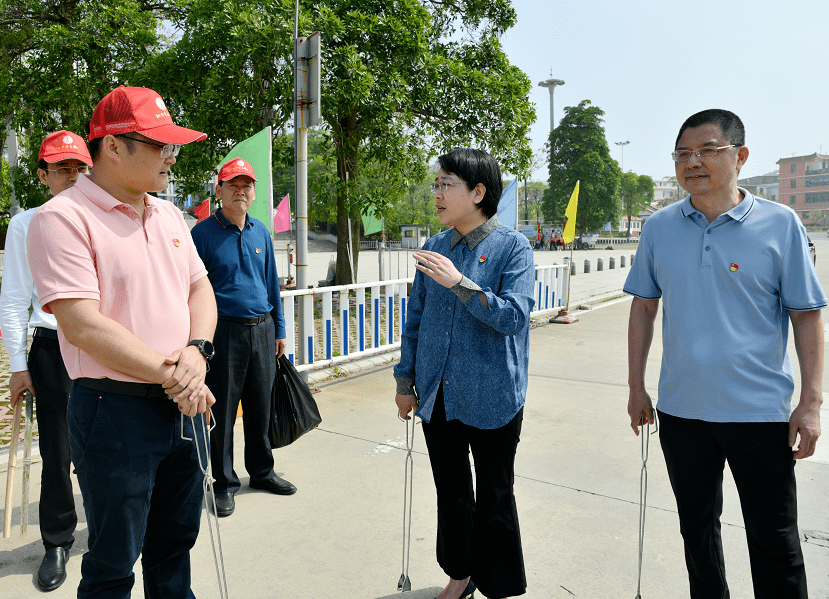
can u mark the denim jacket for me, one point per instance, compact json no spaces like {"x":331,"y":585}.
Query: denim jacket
{"x":480,"y":354}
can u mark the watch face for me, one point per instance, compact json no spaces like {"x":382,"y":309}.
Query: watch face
{"x":208,"y":350}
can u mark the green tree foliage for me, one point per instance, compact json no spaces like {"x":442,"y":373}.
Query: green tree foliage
{"x":405,"y":80}
{"x":579,"y":152}
{"x":416,"y":207}
{"x":636,"y":193}
{"x":228,"y":71}
{"x":530,"y":198}
{"x":58,"y":58}
{"x":5,"y":194}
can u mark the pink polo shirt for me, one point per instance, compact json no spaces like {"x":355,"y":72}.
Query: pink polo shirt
{"x":85,"y":244}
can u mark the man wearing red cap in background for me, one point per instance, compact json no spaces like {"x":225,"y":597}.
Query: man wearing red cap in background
{"x":62,"y":159}
{"x":250,"y":335}
{"x":135,"y":315}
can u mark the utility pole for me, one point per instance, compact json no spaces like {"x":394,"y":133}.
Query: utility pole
{"x":621,"y":144}
{"x":306,"y":114}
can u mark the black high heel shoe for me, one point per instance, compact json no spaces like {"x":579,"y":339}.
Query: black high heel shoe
{"x":468,"y":592}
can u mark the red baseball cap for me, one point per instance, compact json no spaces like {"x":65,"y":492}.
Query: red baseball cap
{"x":141,"y":110}
{"x":64,"y":145}
{"x":235,"y":168}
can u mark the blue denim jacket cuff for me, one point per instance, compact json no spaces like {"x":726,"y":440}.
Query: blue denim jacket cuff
{"x":405,"y":386}
{"x":465,"y":289}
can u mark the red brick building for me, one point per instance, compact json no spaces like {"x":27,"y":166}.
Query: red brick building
{"x":804,"y":183}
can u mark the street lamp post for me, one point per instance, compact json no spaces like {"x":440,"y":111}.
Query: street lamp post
{"x":551,"y":84}
{"x":563,"y":317}
{"x":622,"y":144}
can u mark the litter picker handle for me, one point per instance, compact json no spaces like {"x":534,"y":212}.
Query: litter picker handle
{"x":7,"y":513}
{"x":27,"y":462}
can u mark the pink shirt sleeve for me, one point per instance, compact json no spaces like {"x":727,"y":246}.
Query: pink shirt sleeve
{"x":61,"y":259}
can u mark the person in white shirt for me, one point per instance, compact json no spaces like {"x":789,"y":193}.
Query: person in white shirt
{"x":63,"y":157}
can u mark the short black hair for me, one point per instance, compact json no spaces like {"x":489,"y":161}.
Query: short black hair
{"x":94,"y":145}
{"x":476,"y":166}
{"x":42,"y":164}
{"x":729,"y":123}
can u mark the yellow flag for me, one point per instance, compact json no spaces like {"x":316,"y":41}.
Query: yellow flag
{"x":570,"y":214}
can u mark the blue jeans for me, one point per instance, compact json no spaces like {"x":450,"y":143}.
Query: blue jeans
{"x":142,"y":493}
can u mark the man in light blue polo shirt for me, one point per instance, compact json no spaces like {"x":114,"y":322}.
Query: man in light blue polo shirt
{"x":731,"y":269}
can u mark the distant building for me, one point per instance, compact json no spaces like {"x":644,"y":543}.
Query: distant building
{"x":764,"y":186}
{"x":664,"y":189}
{"x":635,"y":225}
{"x":804,"y":185}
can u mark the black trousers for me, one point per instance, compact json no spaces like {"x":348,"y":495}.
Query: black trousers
{"x":761,"y":462}
{"x":243,"y":369}
{"x":57,"y":503}
{"x":478,"y":533}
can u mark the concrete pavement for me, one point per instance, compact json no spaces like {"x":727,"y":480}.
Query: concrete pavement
{"x":577,"y":487}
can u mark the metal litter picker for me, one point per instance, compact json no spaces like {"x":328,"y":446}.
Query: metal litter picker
{"x":405,"y":584}
{"x":27,"y":462}
{"x":645,"y":434}
{"x":203,"y":453}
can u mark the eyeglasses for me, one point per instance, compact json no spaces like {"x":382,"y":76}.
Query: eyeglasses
{"x":441,"y":186}
{"x":167,"y":150}
{"x":705,"y":153}
{"x":65,"y":171}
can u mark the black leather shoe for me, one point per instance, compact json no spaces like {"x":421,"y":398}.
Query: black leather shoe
{"x":225,"y":504}
{"x":52,"y":571}
{"x":277,"y":485}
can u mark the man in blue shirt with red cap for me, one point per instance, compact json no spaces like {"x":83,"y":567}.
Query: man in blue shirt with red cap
{"x":250,"y":335}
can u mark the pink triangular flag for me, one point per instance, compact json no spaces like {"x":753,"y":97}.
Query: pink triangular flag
{"x":282,"y":218}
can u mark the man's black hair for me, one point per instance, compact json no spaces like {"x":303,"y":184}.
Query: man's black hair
{"x":729,"y":123}
{"x":476,"y":166}
{"x":94,"y":145}
{"x":42,"y":164}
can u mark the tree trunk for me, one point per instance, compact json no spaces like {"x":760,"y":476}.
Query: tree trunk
{"x":345,"y":164}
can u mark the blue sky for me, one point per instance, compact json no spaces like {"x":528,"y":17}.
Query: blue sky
{"x":650,"y":64}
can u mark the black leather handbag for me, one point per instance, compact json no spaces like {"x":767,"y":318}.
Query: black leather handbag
{"x":293,"y":409}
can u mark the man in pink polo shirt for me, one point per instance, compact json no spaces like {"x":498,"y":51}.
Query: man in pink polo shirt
{"x":136,"y":316}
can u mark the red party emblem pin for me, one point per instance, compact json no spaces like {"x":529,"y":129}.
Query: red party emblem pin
{"x":176,"y":242}
{"x":482,"y":259}
{"x":258,"y":250}
{"x":735,"y":267}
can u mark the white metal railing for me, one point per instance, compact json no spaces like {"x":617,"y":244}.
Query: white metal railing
{"x":617,"y":241}
{"x":377,"y":325}
{"x":361,"y":328}
{"x":374,"y":245}
{"x":550,"y":287}
{"x":283,"y":260}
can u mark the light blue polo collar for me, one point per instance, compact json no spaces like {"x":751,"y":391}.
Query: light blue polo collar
{"x":738,"y":212}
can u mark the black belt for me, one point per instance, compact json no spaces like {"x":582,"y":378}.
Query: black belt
{"x":123,"y":387}
{"x":248,"y":321}
{"x":44,"y":332}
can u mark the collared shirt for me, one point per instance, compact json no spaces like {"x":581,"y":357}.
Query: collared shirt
{"x":242,"y":268}
{"x":18,"y":294}
{"x":479,"y":354}
{"x":85,"y":244}
{"x":726,"y":290}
